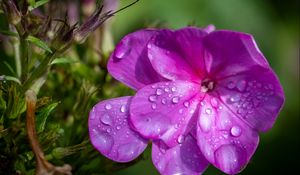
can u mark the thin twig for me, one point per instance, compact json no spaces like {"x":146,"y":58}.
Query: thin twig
{"x":43,"y":167}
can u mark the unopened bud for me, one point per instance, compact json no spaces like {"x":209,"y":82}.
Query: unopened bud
{"x":12,"y":12}
{"x":91,"y":24}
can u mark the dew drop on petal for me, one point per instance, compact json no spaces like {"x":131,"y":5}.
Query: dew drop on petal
{"x":173,"y":89}
{"x":205,"y":122}
{"x":106,"y":119}
{"x":152,"y":98}
{"x":180,"y":139}
{"x":123,"y":108}
{"x":230,"y":158}
{"x":121,"y":53}
{"x":186,"y":104}
{"x":103,"y":141}
{"x":118,"y":127}
{"x":241,"y":85}
{"x":108,"y":106}
{"x":153,"y":106}
{"x":202,"y":103}
{"x":208,"y":111}
{"x":175,"y":100}
{"x":214,"y":102}
{"x":159,"y":91}
{"x":236,"y":131}
{"x":231,"y":85}
{"x":180,"y":111}
{"x":234,"y":99}
{"x":108,"y":130}
{"x":167,"y":89}
{"x":128,"y":151}
{"x":164,"y":101}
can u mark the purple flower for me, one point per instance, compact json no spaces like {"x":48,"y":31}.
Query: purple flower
{"x":202,"y":97}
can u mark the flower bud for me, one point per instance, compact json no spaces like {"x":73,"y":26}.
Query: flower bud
{"x":12,"y":12}
{"x":91,"y":24}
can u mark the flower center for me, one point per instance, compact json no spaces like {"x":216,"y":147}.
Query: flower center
{"x":207,"y":85}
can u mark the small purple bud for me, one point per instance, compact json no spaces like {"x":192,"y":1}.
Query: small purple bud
{"x":12,"y":12}
{"x":91,"y":24}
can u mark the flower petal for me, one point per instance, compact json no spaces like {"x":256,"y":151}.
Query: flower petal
{"x":129,"y":62}
{"x":255,"y":96}
{"x":229,"y":53}
{"x":110,"y":133}
{"x":226,"y":141}
{"x":185,"y":158}
{"x":163,"y":110}
{"x":178,"y":55}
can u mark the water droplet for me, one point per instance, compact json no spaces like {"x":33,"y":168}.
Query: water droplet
{"x":106,"y":119}
{"x":241,"y":85}
{"x":175,"y":100}
{"x":180,"y":139}
{"x":180,"y":111}
{"x":162,"y":147}
{"x":103,"y":141}
{"x":118,"y":127}
{"x":108,"y":106}
{"x":231,"y":85}
{"x":202,"y":103}
{"x":214,"y":102}
{"x":186,"y":104}
{"x":230,"y":157}
{"x":122,"y":52}
{"x":167,"y":89}
{"x":236,"y":131}
{"x":108,"y":130}
{"x":173,"y":89}
{"x":164,"y":101}
{"x":92,"y":114}
{"x":153,"y":106}
{"x":123,"y":108}
{"x":234,"y":99}
{"x":192,"y":111}
{"x":208,"y":111}
{"x":127,"y":152}
{"x":159,"y":91}
{"x":149,"y":46}
{"x":152,"y":98}
{"x":205,"y":122}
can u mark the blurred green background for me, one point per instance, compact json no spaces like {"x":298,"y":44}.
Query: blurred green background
{"x":275,"y":26}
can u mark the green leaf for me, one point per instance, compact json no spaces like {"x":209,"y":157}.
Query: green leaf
{"x":8,"y":33}
{"x":37,"y":4}
{"x":9,"y":68}
{"x":2,"y":105}
{"x":63,"y":60}
{"x":38,"y":43}
{"x":42,"y":116}
{"x":10,"y":78}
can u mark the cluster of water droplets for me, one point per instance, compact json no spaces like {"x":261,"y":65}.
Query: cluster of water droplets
{"x":212,"y":113}
{"x":181,"y":159}
{"x":249,"y":95}
{"x":164,"y":97}
{"x":110,"y":122}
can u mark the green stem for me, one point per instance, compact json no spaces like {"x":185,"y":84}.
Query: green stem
{"x":39,"y":71}
{"x":16,"y":46}
{"x":24,"y":47}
